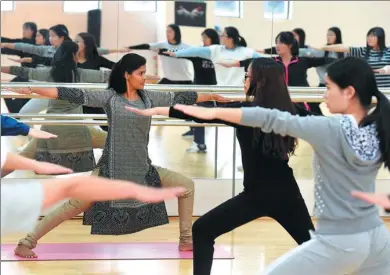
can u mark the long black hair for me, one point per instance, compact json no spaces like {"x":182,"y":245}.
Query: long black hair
{"x":64,"y":67}
{"x":33,"y":27}
{"x":302,"y":37}
{"x":91,"y":51}
{"x":213,"y":35}
{"x":176,"y":30}
{"x":233,"y":33}
{"x":45,"y":34}
{"x":381,"y":35}
{"x":357,"y":73}
{"x":269,"y":90}
{"x":128,"y":63}
{"x":288,"y":39}
{"x":339,"y":40}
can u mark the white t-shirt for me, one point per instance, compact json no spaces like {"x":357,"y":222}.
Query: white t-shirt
{"x":229,"y":76}
{"x":20,"y":203}
{"x":172,"y":68}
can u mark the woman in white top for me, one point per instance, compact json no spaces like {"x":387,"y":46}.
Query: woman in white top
{"x":233,"y":48}
{"x":174,"y":71}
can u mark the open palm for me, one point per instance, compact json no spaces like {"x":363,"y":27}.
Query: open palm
{"x":35,"y":133}
{"x":152,"y":195}
{"x":378,"y":199}
{"x":145,"y":112}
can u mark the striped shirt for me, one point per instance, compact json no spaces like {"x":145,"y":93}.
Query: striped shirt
{"x":376,"y":61}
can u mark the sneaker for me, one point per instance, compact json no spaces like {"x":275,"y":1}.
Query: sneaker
{"x":197,"y":148}
{"x":188,"y":134}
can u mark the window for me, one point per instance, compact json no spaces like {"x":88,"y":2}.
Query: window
{"x":81,"y":6}
{"x":227,"y":8}
{"x":7,"y":5}
{"x":278,"y":10}
{"x":149,"y":6}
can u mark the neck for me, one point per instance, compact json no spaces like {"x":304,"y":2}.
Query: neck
{"x":376,"y":48}
{"x":172,"y":42}
{"x":230,"y":46}
{"x":286,"y":57}
{"x":359,"y":113}
{"x":131,"y":94}
{"x":81,"y":56}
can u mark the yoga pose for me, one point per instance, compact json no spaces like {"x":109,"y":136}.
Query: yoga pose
{"x":270,"y":188}
{"x":125,"y":156}
{"x":350,"y":237}
{"x":22,"y":203}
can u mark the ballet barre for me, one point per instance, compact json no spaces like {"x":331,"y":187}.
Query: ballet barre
{"x":164,"y":88}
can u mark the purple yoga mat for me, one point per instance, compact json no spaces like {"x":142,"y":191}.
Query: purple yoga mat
{"x":107,"y":251}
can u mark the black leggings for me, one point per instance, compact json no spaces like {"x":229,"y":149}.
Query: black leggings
{"x":291,"y":213}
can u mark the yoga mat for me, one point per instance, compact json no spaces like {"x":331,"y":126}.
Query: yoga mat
{"x":107,"y":251}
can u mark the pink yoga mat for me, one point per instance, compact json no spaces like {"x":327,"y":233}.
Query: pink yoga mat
{"x":107,"y":251}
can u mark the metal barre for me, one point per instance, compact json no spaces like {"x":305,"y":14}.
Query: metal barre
{"x":104,"y":123}
{"x":165,"y":88}
{"x":70,"y":116}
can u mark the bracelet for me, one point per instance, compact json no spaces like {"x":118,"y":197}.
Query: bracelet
{"x":30,"y":90}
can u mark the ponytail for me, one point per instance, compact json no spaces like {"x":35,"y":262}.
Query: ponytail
{"x":242,"y":41}
{"x":381,"y":117}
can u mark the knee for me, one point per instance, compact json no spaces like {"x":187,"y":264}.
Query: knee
{"x":199,"y":229}
{"x":190,"y":188}
{"x":78,"y":204}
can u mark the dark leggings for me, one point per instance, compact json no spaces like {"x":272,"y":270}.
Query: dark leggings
{"x":291,"y":213}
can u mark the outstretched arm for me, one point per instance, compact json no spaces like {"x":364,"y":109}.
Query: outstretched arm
{"x":93,"y":98}
{"x":313,"y":129}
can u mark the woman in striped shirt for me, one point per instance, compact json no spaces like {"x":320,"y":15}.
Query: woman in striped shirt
{"x":376,"y":53}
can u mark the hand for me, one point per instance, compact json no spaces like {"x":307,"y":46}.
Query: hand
{"x":260,"y":51}
{"x":199,"y":112}
{"x":46,"y":168}
{"x":124,"y":50}
{"x":152,"y":77}
{"x":379,"y":71}
{"x":35,"y":133}
{"x":4,"y":45}
{"x":146,"y":112}
{"x":381,"y":200}
{"x":172,"y":54}
{"x":219,"y":98}
{"x":15,"y":60}
{"x":228,"y":64}
{"x":153,"y":195}
{"x":22,"y":91}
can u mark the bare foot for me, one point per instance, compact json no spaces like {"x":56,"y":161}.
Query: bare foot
{"x":24,"y":252}
{"x":185,"y":247}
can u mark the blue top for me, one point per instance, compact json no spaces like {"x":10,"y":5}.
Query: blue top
{"x":12,"y":127}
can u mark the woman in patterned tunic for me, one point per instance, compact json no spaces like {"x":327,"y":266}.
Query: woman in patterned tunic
{"x":127,"y":140}
{"x":74,"y":146}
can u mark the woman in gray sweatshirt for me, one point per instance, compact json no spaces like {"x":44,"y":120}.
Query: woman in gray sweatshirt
{"x":349,"y":149}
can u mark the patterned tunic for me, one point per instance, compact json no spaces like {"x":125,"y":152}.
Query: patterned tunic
{"x":73,"y":146}
{"x":125,"y":157}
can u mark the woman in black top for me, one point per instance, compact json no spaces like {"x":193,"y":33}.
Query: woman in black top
{"x":266,"y":171}
{"x":89,"y":58}
{"x":204,"y":74}
{"x":294,"y":66}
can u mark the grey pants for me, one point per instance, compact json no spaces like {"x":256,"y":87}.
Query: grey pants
{"x":366,"y":253}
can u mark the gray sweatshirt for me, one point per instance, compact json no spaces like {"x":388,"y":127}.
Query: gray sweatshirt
{"x":346,"y":158}
{"x":45,"y":51}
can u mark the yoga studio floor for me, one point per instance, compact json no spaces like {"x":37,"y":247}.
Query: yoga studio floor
{"x":253,"y":247}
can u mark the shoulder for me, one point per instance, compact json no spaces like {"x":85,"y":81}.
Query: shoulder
{"x":363,"y":140}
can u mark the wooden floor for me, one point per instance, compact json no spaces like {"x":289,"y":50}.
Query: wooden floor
{"x":254,"y":246}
